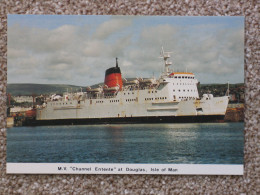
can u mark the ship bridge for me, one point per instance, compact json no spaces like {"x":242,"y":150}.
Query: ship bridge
{"x":182,"y":75}
{"x":182,"y":85}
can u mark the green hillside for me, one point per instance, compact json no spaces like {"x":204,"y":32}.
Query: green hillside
{"x":38,"y":89}
{"x":221,"y":89}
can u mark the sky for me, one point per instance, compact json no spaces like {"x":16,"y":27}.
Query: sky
{"x":77,"y":50}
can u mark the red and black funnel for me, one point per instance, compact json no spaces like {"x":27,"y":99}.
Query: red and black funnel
{"x":113,"y":77}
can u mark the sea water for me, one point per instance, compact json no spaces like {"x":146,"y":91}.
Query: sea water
{"x":193,"y":143}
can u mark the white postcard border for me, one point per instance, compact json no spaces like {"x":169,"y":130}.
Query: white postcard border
{"x":110,"y":168}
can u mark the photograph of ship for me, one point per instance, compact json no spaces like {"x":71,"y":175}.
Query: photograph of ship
{"x":125,"y":89}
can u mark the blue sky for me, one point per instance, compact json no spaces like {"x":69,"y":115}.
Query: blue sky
{"x":78,"y":49}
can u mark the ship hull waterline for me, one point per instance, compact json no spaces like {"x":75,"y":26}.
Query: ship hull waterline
{"x":128,"y":120}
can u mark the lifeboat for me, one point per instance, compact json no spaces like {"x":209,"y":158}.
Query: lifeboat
{"x":55,"y":97}
{"x":109,"y":89}
{"x":147,"y":81}
{"x":94,"y":90}
{"x":133,"y":82}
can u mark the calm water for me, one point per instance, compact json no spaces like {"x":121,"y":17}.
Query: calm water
{"x":212,"y":143}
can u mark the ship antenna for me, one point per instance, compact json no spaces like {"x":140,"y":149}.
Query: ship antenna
{"x":116,"y":62}
{"x":165,"y":56}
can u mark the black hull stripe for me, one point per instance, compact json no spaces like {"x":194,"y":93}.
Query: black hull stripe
{"x":128,"y":120}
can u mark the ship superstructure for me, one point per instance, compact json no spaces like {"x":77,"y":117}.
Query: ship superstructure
{"x":173,"y":97}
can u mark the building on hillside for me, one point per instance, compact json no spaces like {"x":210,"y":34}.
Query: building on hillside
{"x":232,"y":97}
{"x":18,"y":110}
{"x":21,"y":99}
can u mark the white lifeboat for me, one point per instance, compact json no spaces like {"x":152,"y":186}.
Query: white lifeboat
{"x":95,"y":90}
{"x":55,"y":97}
{"x":133,"y":82}
{"x":147,"y":81}
{"x":116,"y":88}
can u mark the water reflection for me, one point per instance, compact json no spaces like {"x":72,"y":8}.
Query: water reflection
{"x":219,"y":143}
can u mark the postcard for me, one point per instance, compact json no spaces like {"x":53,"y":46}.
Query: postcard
{"x":125,"y":95}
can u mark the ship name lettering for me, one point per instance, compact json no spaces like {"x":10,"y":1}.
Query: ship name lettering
{"x":103,"y":169}
{"x":81,"y":168}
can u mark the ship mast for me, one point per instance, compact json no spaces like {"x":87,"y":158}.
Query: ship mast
{"x":165,"y":56}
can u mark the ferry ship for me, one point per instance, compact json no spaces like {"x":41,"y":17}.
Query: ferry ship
{"x":173,"y":97}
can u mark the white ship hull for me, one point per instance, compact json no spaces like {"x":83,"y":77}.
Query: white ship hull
{"x":132,"y":107}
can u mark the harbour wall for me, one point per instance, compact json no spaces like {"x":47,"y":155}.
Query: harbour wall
{"x":235,"y":113}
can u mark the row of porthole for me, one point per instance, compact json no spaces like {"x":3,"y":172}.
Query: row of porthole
{"x":53,"y":104}
{"x":187,"y":98}
{"x":130,"y":100}
{"x":128,"y":93}
{"x":152,"y":91}
{"x":184,"y":90}
{"x":99,"y":101}
{"x":184,"y":83}
{"x":114,"y":101}
{"x":183,"y":77}
{"x":158,"y":98}
{"x":109,"y":96}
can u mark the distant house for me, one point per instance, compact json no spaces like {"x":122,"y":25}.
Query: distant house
{"x":20,"y":110}
{"x":232,"y":97}
{"x":21,"y":99}
{"x":242,"y":96}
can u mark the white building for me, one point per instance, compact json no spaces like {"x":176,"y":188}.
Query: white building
{"x":21,"y":99}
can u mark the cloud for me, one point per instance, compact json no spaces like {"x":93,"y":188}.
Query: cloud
{"x":212,"y":49}
{"x":111,"y":26}
{"x":159,"y":35}
{"x":74,"y":54}
{"x":42,"y":40}
{"x":14,"y":53}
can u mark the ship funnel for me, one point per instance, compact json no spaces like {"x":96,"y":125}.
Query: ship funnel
{"x":113,"y":77}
